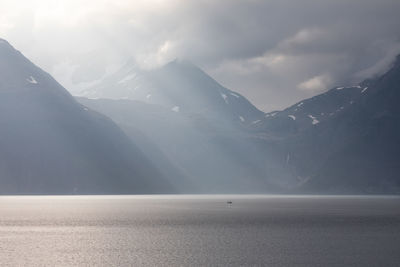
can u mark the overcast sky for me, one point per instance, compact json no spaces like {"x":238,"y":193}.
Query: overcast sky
{"x":273,"y":52}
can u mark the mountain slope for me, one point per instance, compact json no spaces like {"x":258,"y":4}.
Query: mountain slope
{"x":179,"y":86}
{"x":345,"y":140}
{"x":50,"y":144}
{"x":214,"y":157}
{"x":366,"y":142}
{"x":197,"y":124}
{"x":310,"y":112}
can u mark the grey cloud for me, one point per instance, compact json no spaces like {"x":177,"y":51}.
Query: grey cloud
{"x":270,"y":51}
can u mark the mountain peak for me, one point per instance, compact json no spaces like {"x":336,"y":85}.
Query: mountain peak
{"x":51,"y":144}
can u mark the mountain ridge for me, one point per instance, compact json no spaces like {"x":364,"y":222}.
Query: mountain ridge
{"x":179,"y":86}
{"x":192,"y":135}
{"x":51,"y":144}
{"x":293,"y":149}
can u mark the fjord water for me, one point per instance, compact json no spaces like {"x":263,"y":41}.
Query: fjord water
{"x":199,"y":231}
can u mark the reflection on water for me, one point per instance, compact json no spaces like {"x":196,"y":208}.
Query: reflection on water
{"x":200,"y":230}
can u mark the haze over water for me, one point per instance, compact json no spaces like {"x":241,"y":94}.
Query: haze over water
{"x":200,"y":231}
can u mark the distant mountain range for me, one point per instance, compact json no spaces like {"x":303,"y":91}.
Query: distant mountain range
{"x":175,"y":129}
{"x":341,"y":141}
{"x":51,"y":144}
{"x":199,"y":125}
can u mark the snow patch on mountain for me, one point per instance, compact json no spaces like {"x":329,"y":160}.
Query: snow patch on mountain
{"x":271,"y":114}
{"x":345,"y":87}
{"x":314,"y":119}
{"x":235,"y":95}
{"x":32,"y":80}
{"x":292,"y":117}
{"x":242,"y":119}
{"x":175,"y":109}
{"x":363,"y":90}
{"x":225,"y":97}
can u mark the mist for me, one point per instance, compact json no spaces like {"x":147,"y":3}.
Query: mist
{"x":274,"y":53}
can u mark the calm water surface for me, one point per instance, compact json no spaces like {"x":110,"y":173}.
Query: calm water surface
{"x":199,"y":231}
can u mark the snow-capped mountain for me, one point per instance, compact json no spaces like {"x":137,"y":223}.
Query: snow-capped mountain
{"x":179,"y":86}
{"x":199,"y":125}
{"x":184,"y":136}
{"x":51,"y":144}
{"x":345,"y":140}
{"x":315,"y":110}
